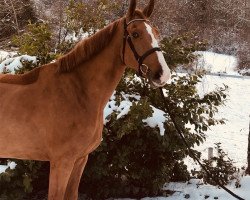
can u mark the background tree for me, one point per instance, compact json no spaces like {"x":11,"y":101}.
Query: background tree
{"x":14,"y":15}
{"x":248,"y":154}
{"x":229,"y":20}
{"x":223,"y":24}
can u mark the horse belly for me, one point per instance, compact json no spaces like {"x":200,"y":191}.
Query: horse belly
{"x":15,"y":142}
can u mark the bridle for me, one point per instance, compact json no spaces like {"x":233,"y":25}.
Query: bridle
{"x":142,"y":68}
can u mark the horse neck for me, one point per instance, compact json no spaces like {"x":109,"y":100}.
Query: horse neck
{"x":101,"y":74}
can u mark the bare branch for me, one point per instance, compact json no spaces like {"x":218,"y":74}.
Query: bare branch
{"x":15,"y":16}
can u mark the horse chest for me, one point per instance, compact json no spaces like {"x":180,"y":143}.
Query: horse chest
{"x":90,"y":138}
{"x":79,"y":137}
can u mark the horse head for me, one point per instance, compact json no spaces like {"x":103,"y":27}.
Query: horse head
{"x":141,"y":50}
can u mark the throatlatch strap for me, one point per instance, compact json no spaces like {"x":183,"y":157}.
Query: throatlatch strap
{"x":124,"y":41}
{"x":132,"y":47}
{"x":145,"y":55}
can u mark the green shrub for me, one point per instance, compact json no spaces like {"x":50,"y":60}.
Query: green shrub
{"x":82,"y":18}
{"x":24,"y":11}
{"x":221,"y":167}
{"x":36,"y":41}
{"x":87,"y":16}
{"x":16,"y":183}
{"x":135,"y":160}
{"x":179,"y":50}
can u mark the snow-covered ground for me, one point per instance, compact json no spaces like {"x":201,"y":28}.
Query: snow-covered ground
{"x":233,"y":136}
{"x":216,"y":63}
{"x":195,"y":191}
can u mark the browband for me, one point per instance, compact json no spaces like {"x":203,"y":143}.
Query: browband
{"x":135,"y":20}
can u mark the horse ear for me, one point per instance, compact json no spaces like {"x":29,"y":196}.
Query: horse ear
{"x":149,"y":8}
{"x":131,"y":10}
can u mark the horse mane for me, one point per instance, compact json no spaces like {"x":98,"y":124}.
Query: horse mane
{"x":87,"y":48}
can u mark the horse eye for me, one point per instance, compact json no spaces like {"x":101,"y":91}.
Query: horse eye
{"x":135,"y":35}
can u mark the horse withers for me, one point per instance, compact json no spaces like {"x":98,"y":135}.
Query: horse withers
{"x":55,"y":112}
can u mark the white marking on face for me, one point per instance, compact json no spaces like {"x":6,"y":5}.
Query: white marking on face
{"x":165,"y":69}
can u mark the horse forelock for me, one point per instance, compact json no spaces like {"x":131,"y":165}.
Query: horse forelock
{"x":139,"y":14}
{"x":87,"y":48}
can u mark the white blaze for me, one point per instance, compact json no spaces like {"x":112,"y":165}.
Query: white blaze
{"x":165,"y":69}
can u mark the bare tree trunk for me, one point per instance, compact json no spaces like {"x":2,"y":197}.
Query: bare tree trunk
{"x":248,"y":153}
{"x":15,"y":16}
{"x":60,"y":21}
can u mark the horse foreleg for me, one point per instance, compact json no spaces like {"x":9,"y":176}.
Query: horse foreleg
{"x":75,"y":177}
{"x":60,"y":172}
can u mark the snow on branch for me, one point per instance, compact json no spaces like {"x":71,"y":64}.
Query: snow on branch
{"x":11,"y":64}
{"x":3,"y":168}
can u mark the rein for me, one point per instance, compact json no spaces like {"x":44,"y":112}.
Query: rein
{"x":142,"y":68}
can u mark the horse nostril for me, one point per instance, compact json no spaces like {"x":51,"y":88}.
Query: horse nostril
{"x":158,"y":75}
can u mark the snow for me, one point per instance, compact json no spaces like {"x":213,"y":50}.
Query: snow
{"x":122,"y":109}
{"x":157,"y":120}
{"x":245,"y":71}
{"x":3,"y":168}
{"x":16,"y":62}
{"x":217,"y":63}
{"x":6,"y":54}
{"x":75,"y":37}
{"x":196,"y":190}
{"x":233,"y":135}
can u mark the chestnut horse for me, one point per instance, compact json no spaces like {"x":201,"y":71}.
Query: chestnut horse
{"x":55,"y":112}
